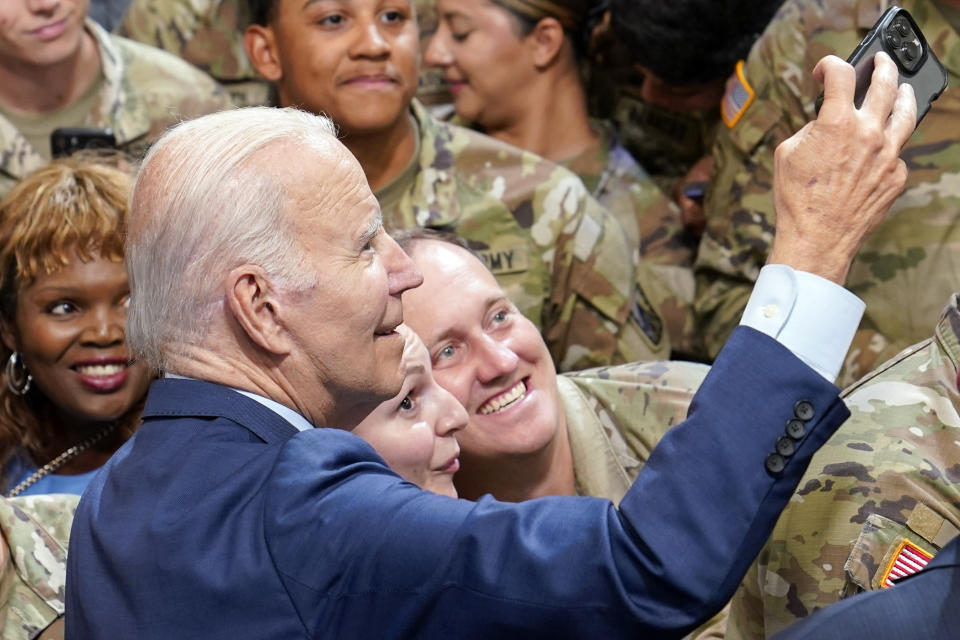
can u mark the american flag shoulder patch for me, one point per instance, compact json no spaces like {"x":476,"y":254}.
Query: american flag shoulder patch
{"x":737,"y":98}
{"x":908,"y":559}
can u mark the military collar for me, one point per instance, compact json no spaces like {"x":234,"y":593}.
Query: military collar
{"x":599,"y":471}
{"x":118,"y":108}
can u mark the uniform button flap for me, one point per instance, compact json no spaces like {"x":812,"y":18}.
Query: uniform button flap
{"x":803,"y":410}
{"x":786,"y":446}
{"x":775,"y":463}
{"x":796,"y":429}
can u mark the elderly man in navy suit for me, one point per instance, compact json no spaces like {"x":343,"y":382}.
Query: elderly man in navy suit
{"x":265,"y":287}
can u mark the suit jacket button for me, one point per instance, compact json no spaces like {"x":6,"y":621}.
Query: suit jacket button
{"x":803,"y":410}
{"x":775,"y":463}
{"x":796,"y":429}
{"x":786,"y":446}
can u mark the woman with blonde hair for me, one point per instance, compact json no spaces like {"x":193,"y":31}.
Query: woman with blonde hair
{"x":71,"y":394}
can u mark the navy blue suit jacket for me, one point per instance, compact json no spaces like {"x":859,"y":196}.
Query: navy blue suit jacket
{"x":219,"y":520}
{"x":925,"y":605}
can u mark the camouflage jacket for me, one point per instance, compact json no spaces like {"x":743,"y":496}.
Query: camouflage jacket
{"x":560,"y":256}
{"x":905,"y":270}
{"x":616,"y":416}
{"x":33,"y":564}
{"x":206,"y":33}
{"x":144,"y":92}
{"x":889,"y":479}
{"x":652,"y":222}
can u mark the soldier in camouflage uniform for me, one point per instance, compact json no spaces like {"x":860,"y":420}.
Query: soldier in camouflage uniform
{"x":586,"y":433}
{"x":33,"y":565}
{"x":887,"y":480}
{"x":209,"y":35}
{"x":142,"y":92}
{"x":551,"y":120}
{"x":905,"y":270}
{"x":561,"y":256}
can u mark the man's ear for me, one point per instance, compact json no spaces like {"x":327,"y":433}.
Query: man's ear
{"x":546,"y":40}
{"x":261,"y":45}
{"x":257,"y":309}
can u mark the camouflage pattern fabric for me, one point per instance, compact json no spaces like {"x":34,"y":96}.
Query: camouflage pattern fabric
{"x":617,"y":415}
{"x":145,"y":91}
{"x":560,"y":256}
{"x":667,"y":143}
{"x":33,"y":564}
{"x":206,"y":33}
{"x":909,"y":266}
{"x":890,"y":474}
{"x":651,"y":220}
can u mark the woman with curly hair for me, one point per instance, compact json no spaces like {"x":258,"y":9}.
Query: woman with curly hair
{"x":70,"y":394}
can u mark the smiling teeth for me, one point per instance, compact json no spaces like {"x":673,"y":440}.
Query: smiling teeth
{"x":506,"y":400}
{"x":101,"y":370}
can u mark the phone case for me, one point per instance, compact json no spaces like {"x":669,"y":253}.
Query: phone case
{"x":896,"y":34}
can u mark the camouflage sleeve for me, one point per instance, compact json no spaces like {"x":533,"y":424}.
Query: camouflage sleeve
{"x":639,"y":402}
{"x":603,"y":300}
{"x":739,"y":204}
{"x":886,"y":479}
{"x":166,"y":90}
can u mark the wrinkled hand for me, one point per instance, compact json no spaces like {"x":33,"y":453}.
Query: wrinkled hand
{"x":835,"y":179}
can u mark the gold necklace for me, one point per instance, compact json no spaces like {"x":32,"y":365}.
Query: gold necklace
{"x":62,"y":459}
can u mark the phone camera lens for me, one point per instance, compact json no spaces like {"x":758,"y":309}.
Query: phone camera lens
{"x":894,"y":39}
{"x":902,"y":27}
{"x":911,"y":50}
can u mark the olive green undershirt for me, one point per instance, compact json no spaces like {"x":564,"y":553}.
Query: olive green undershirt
{"x":36,"y":128}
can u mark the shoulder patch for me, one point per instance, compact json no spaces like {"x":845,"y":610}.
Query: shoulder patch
{"x":738,"y":97}
{"x":906,"y":559}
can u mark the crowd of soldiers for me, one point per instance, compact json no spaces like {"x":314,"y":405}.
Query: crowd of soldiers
{"x":615,"y":261}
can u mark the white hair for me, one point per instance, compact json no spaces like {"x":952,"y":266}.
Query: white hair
{"x":201,"y":207}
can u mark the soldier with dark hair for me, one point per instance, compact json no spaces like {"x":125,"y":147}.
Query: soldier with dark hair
{"x":674,"y":60}
{"x":563,"y":259}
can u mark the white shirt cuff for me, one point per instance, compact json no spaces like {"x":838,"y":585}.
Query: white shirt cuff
{"x":812,"y":316}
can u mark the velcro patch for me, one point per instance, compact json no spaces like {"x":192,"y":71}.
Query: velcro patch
{"x":506,"y":259}
{"x":738,"y":97}
{"x":907,"y":560}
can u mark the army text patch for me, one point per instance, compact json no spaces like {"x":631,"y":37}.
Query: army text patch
{"x":506,"y":259}
{"x":737,"y":98}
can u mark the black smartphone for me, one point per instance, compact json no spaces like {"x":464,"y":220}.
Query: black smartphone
{"x":67,"y":140}
{"x":896,"y":34}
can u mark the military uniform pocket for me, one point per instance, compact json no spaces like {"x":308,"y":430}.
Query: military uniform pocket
{"x":884,"y":551}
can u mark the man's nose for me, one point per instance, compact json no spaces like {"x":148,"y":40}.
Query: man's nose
{"x":402,"y":273}
{"x":495,"y":359}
